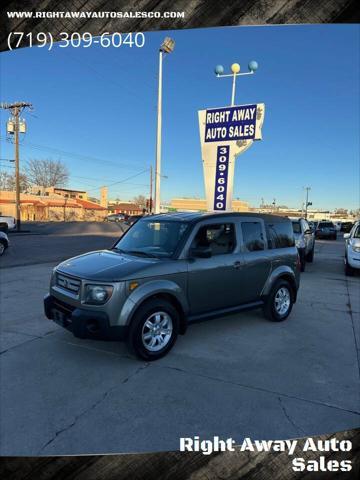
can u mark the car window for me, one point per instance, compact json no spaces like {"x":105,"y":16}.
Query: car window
{"x":326,"y":225}
{"x":296,"y":227}
{"x":357,"y":232}
{"x":280,"y":234}
{"x":219,"y":237}
{"x":156,"y":238}
{"x":253,"y":237}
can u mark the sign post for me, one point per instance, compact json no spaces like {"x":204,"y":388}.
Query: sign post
{"x":225,"y":133}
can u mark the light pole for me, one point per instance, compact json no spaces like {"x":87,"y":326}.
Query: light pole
{"x":235,"y":68}
{"x":166,"y":47}
{"x":307,"y":203}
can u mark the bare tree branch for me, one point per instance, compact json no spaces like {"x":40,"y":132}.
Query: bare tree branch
{"x":47,"y":173}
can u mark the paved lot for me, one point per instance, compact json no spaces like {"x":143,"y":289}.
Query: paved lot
{"x":235,"y":376}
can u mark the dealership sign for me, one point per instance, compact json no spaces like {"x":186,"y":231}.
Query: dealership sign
{"x":225,"y":133}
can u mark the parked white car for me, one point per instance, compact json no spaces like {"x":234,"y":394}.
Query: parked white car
{"x":4,"y":242}
{"x":352,"y":249}
{"x":10,"y":221}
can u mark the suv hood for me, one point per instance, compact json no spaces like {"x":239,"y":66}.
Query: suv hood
{"x":107,"y":266}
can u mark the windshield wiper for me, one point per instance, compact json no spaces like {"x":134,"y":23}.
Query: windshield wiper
{"x":140,"y":252}
{"x":120,"y":250}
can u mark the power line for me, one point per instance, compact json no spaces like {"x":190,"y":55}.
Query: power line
{"x":78,"y":156}
{"x":124,"y":180}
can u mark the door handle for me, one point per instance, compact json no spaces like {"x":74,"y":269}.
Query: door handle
{"x":237,"y":265}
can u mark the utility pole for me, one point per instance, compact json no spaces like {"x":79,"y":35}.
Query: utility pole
{"x":16,"y":110}
{"x":274,"y":203}
{"x":307,"y":203}
{"x":151,"y":189}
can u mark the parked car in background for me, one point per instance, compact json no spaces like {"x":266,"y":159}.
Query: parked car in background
{"x":352,"y":249}
{"x":304,"y":240}
{"x":7,"y":223}
{"x":311,"y":225}
{"x":132,"y":219}
{"x":346,"y":226}
{"x":326,"y":229}
{"x":4,"y":242}
{"x":116,"y":217}
{"x":169,"y":270}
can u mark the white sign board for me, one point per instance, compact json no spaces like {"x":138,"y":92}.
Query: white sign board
{"x":225,"y":133}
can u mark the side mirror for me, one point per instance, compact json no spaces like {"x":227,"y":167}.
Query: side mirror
{"x":201,"y":252}
{"x":346,"y":236}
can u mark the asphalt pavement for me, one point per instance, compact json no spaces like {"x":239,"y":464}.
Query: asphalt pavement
{"x":235,"y":376}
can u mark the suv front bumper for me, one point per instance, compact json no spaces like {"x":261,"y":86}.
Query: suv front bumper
{"x":82,"y":323}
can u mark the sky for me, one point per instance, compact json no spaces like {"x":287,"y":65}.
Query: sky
{"x":95,"y":110}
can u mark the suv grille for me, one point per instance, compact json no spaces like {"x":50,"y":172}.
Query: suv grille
{"x":68,"y":283}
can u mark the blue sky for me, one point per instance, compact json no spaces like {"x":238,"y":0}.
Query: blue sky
{"x":100,"y":104}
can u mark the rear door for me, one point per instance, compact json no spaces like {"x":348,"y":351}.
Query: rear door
{"x":257,"y":259}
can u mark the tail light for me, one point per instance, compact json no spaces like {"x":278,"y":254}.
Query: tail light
{"x":298,"y":263}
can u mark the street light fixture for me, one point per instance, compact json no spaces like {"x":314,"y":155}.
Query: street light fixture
{"x":235,"y":68}
{"x":166,"y":47}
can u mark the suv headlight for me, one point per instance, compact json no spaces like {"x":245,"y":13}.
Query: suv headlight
{"x":300,"y":243}
{"x":97,"y":294}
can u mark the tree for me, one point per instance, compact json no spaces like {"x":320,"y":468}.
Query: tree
{"x":140,"y":200}
{"x":47,"y":173}
{"x":8,"y":182}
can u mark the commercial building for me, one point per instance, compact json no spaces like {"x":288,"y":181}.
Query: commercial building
{"x":52,"y":204}
{"x":129,"y":208}
{"x":199,"y":204}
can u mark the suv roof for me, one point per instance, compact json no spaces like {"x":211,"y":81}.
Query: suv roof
{"x":198,"y":216}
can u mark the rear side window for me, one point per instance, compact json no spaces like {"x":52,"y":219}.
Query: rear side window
{"x":252,"y":236}
{"x":296,"y":227}
{"x":280,"y":234}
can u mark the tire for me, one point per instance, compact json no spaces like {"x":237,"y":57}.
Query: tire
{"x":302,"y":260}
{"x":349,"y":271}
{"x":335,"y":237}
{"x":3,"y":247}
{"x":310,"y":255}
{"x":271,"y":310}
{"x":140,"y":337}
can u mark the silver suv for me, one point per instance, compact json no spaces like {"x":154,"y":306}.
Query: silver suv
{"x":170,"y":270}
{"x":304,"y":240}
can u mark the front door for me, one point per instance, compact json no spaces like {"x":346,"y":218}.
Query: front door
{"x":213,"y":283}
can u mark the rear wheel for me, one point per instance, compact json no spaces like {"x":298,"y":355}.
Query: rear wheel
{"x":280,"y":301}
{"x":153,"y":330}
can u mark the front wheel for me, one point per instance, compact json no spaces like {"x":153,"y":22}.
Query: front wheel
{"x":153,"y":330}
{"x":280,"y":301}
{"x":3,"y":247}
{"x":302,"y":260}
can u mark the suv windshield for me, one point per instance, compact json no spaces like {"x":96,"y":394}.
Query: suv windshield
{"x":152,"y":238}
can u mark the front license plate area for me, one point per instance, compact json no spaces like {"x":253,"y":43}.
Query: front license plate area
{"x":60,"y":318}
